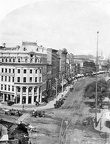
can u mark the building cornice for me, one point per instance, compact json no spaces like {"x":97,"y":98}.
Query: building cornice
{"x":28,"y":84}
{"x":24,"y":64}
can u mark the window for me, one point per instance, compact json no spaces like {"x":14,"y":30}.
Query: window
{"x":24,"y":89}
{"x":5,"y":87}
{"x":2,"y":69}
{"x":18,"y":70}
{"x":26,"y":60}
{"x":18,"y":88}
{"x":39,"y":79}
{"x":35,"y":90}
{"x":25,"y":49}
{"x":24,"y":70}
{"x":18,"y":79}
{"x":8,"y":87}
{"x":12,"y":79}
{"x":6,"y":70}
{"x":31,"y":55}
{"x":10,"y":60}
{"x":12,"y":88}
{"x":13,"y":70}
{"x":1,"y":86}
{"x":31,"y":60}
{"x":24,"y":79}
{"x":30,"y":79}
{"x":9,"y":70}
{"x":35,"y":79}
{"x":13,"y":60}
{"x":2,"y":60}
{"x":30,"y":70}
{"x":35,"y":60}
{"x":5,"y":78}
{"x":36,"y":70}
{"x":40,"y":71}
{"x":30,"y":89}
{"x":19,"y":60}
{"x":9,"y":78}
{"x":1,"y":78}
{"x":6,"y":59}
{"x":38,"y":60}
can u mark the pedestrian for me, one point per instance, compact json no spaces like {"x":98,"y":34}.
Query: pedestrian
{"x":33,"y":112}
{"x":37,"y":103}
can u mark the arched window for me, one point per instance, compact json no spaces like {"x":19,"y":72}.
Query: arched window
{"x":26,"y":60}
{"x":24,"y":49}
{"x":19,"y":60}
{"x":31,"y":60}
{"x":35,"y":60}
{"x":13,"y":60}
{"x":9,"y":59}
{"x":39,"y":60}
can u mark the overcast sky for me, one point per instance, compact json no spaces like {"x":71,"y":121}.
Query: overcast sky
{"x":57,"y":24}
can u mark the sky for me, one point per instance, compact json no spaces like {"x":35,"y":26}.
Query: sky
{"x":57,"y":24}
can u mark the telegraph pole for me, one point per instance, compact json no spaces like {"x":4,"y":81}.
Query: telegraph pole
{"x":96,"y":80}
{"x":62,"y":83}
{"x":56,"y":87}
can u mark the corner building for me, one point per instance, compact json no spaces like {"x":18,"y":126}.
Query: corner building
{"x":23,"y":73}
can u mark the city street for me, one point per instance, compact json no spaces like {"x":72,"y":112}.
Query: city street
{"x":49,"y":105}
{"x":55,"y":72}
{"x":73,"y":111}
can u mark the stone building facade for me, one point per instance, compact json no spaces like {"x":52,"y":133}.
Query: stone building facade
{"x":23,"y":73}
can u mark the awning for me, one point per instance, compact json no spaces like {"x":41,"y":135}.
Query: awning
{"x":64,"y":82}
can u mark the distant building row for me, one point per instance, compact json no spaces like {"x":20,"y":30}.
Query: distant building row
{"x":30,"y":72}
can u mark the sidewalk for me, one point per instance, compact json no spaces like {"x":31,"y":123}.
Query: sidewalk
{"x":49,"y":105}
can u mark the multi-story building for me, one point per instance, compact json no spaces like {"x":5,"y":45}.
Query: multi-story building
{"x":53,"y":61}
{"x":70,"y":58}
{"x":23,"y":73}
{"x":63,"y":61}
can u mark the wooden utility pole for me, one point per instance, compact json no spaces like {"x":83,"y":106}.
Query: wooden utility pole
{"x":96,"y":80}
{"x":62,"y":83}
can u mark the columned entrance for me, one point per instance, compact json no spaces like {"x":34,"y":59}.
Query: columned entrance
{"x":28,"y":94}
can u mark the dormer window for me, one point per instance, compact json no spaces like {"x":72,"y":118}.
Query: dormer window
{"x":13,"y":60}
{"x":38,"y":60}
{"x":31,"y":60}
{"x":31,"y":55}
{"x":25,"y":49}
{"x":10,"y":60}
{"x":35,"y":60}
{"x":26,"y":60}
{"x":19,"y":60}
